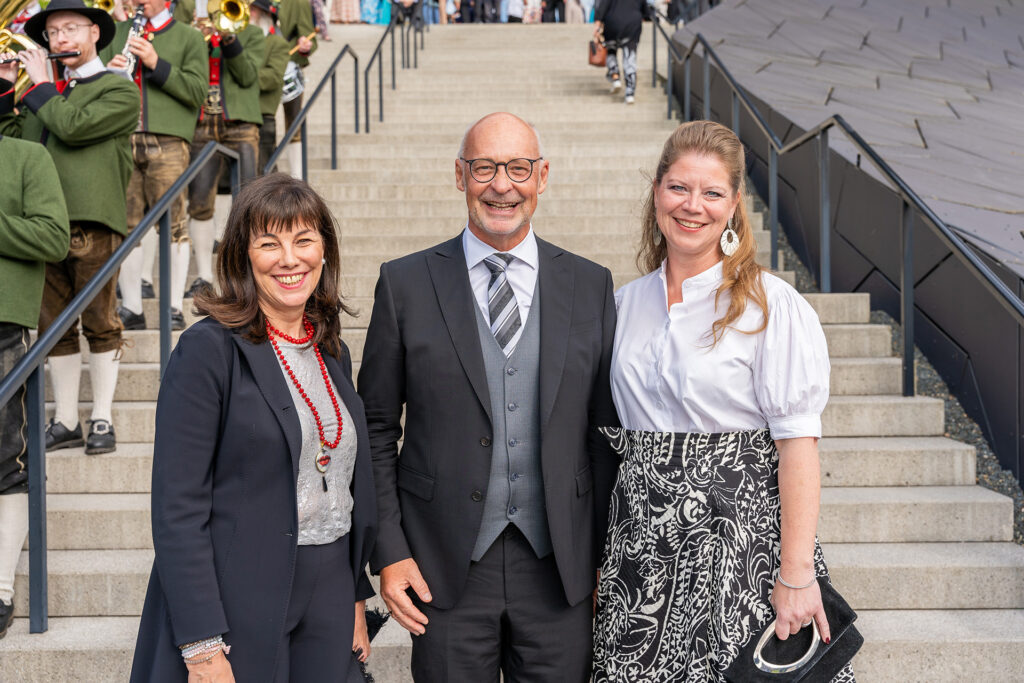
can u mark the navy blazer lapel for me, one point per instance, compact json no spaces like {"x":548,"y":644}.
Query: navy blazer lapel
{"x":447,"y":266}
{"x":266,"y":369}
{"x":555,"y":283}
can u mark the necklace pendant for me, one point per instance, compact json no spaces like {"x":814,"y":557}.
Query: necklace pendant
{"x":323,"y":459}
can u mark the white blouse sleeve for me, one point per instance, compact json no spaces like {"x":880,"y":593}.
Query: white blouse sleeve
{"x":791,"y":368}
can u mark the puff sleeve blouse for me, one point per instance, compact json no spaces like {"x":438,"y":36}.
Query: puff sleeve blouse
{"x":667,"y":376}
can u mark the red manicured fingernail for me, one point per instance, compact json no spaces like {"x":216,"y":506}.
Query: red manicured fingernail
{"x":828,"y":640}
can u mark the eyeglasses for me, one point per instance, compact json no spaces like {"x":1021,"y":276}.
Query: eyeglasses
{"x":517,"y":170}
{"x":69,"y":31}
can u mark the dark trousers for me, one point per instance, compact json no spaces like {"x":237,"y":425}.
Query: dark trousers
{"x":318,"y":629}
{"x":549,"y":11}
{"x":239,"y":136}
{"x":268,"y":141}
{"x":13,"y":456}
{"x":512,"y":618}
{"x":291,"y":112}
{"x":487,"y":11}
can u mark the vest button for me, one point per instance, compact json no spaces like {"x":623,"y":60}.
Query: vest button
{"x":510,"y":371}
{"x":513,"y":443}
{"x":513,"y":406}
{"x":485,"y":442}
{"x":514,"y":476}
{"x":512,"y":511}
{"x":476,"y":496}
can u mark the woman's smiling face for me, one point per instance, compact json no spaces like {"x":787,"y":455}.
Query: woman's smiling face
{"x":693,"y":203}
{"x":286,"y":265}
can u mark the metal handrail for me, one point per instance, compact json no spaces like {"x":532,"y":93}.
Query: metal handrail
{"x":910,"y":201}
{"x":29,"y":370}
{"x":300,"y":120}
{"x":411,"y":27}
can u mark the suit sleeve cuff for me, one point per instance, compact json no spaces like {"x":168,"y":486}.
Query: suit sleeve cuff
{"x":364,"y":589}
{"x":38,"y":95}
{"x":232,"y":49}
{"x":6,"y":97}
{"x":159,"y":74}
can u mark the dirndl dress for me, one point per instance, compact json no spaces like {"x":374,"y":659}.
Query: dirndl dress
{"x":691,"y":555}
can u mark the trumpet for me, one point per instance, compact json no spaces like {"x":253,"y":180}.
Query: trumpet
{"x":107,"y":6}
{"x":52,"y":55}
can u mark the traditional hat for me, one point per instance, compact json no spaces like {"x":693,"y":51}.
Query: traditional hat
{"x":267,"y":6}
{"x":35,"y":28}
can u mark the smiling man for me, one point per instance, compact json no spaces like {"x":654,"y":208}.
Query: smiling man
{"x":85,"y":121}
{"x":493,"y":513}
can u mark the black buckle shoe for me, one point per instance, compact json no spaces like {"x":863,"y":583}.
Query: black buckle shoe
{"x":6,"y":616}
{"x":101,"y":438}
{"x":147,"y":290}
{"x":198,"y":285}
{"x":59,"y":436}
{"x":131,"y":321}
{"x":177,"y":319}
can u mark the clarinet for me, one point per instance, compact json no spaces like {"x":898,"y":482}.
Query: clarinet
{"x":136,"y":31}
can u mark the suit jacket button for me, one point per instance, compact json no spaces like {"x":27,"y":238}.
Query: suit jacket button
{"x":485,"y":442}
{"x":477,"y":496}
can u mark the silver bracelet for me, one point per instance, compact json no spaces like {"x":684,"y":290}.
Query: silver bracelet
{"x":814,"y":580}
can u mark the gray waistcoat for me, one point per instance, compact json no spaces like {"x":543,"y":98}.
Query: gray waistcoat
{"x":515,"y":491}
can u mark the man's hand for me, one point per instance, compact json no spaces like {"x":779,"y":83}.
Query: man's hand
{"x":37,"y":65}
{"x":143,"y":49}
{"x":118,"y":62}
{"x":394,"y":580}
{"x":216,"y":670}
{"x":9,"y":72}
{"x":304,"y":45}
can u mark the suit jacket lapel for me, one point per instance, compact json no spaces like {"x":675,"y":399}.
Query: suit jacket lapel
{"x":448,"y":272}
{"x":269,"y":378}
{"x":555,"y":283}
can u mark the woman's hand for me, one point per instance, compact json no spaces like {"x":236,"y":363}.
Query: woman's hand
{"x":360,"y":638}
{"x":216,"y":670}
{"x":795,"y":608}
{"x":598,"y":30}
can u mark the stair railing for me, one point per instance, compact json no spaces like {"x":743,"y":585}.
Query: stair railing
{"x":300,"y":120}
{"x":910,"y":201}
{"x":30,"y":369}
{"x":413,"y":28}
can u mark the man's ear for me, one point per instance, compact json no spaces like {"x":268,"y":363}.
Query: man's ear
{"x":460,"y":180}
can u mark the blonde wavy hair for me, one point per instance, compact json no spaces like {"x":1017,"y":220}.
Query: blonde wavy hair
{"x":741,"y":275}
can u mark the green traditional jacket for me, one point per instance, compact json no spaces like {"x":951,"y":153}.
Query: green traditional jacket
{"x":184,"y":11}
{"x":173,"y":91}
{"x":272,"y":73}
{"x":295,"y":18}
{"x":240,"y":62}
{"x":86,"y":128}
{"x":33,"y":228}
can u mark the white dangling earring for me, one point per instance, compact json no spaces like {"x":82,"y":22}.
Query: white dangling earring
{"x":657,"y":236}
{"x":323,"y":261}
{"x":730,"y":241}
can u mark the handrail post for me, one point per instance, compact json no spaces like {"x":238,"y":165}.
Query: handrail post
{"x":735,"y":113}
{"x":402,"y":40}
{"x":707,"y":85}
{"x":355,"y":84}
{"x":773,"y":202}
{"x":654,"y":51}
{"x":380,"y":89}
{"x":686,"y":88}
{"x":669,"y":87}
{"x":825,"y":255}
{"x":38,"y":579}
{"x":334,"y":122}
{"x":415,"y":48}
{"x":366,"y":97}
{"x":907,"y":295}
{"x":391,"y":30}
{"x":165,"y":290}
{"x":305,"y":160}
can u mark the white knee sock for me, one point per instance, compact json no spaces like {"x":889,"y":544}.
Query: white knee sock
{"x":66,"y":376}
{"x":294,"y":152}
{"x":103,"y":372}
{"x":221,"y":209}
{"x":179,"y":272}
{"x":202,"y":241}
{"x":13,"y":531}
{"x":130,"y":280}
{"x":150,"y":245}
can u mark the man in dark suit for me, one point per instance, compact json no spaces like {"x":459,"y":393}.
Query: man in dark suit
{"x":494,"y":511}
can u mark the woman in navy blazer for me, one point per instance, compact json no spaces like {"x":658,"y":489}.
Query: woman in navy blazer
{"x":234,"y":594}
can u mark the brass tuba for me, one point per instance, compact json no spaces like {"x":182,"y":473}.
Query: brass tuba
{"x":15,"y":42}
{"x":228,"y":16}
{"x":107,"y":6}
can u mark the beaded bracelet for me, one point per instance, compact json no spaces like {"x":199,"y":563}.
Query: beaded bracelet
{"x":814,"y":579}
{"x":209,"y":646}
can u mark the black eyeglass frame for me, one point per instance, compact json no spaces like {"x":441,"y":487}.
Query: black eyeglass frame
{"x":469,"y":162}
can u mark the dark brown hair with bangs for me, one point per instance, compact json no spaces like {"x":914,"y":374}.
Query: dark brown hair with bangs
{"x":275,"y":203}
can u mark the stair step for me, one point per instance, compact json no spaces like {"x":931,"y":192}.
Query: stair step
{"x":98,"y":521}
{"x":896,"y":461}
{"x":135,"y":382}
{"x":134,"y":421}
{"x":86,"y":583}
{"x":914,"y":514}
{"x":858,"y":340}
{"x":928,"y":575}
{"x":129,"y":469}
{"x":93,"y":649}
{"x":883,"y":416}
{"x":841,"y":308}
{"x":865,"y":376}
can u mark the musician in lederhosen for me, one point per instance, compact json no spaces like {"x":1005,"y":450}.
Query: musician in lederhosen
{"x":166,"y":59}
{"x":85,"y":120}
{"x":231,"y":116}
{"x":295,"y":18}
{"x":275,"y":60}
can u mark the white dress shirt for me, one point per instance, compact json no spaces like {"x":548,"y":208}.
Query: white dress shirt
{"x":667,"y":377}
{"x":90,"y":68}
{"x":521,"y":272}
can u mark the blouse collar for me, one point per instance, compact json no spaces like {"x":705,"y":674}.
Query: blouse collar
{"x":709,"y":278}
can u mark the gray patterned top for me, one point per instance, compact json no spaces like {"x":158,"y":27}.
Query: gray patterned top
{"x":324,"y":516}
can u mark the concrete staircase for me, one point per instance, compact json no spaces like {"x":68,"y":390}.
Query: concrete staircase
{"x":921,"y":552}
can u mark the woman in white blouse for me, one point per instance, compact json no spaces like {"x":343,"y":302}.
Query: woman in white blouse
{"x":720,"y":374}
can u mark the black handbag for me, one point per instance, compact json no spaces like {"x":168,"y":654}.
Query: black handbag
{"x":766,"y":659}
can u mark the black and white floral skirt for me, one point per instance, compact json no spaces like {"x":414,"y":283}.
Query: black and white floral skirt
{"x":691,"y":555}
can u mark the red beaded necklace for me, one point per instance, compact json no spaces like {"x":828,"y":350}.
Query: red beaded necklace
{"x":323,"y":458}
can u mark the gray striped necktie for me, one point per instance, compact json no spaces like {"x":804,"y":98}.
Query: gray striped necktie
{"x":501,"y":302}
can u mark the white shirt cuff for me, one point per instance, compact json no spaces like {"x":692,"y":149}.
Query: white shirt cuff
{"x":795,"y":426}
